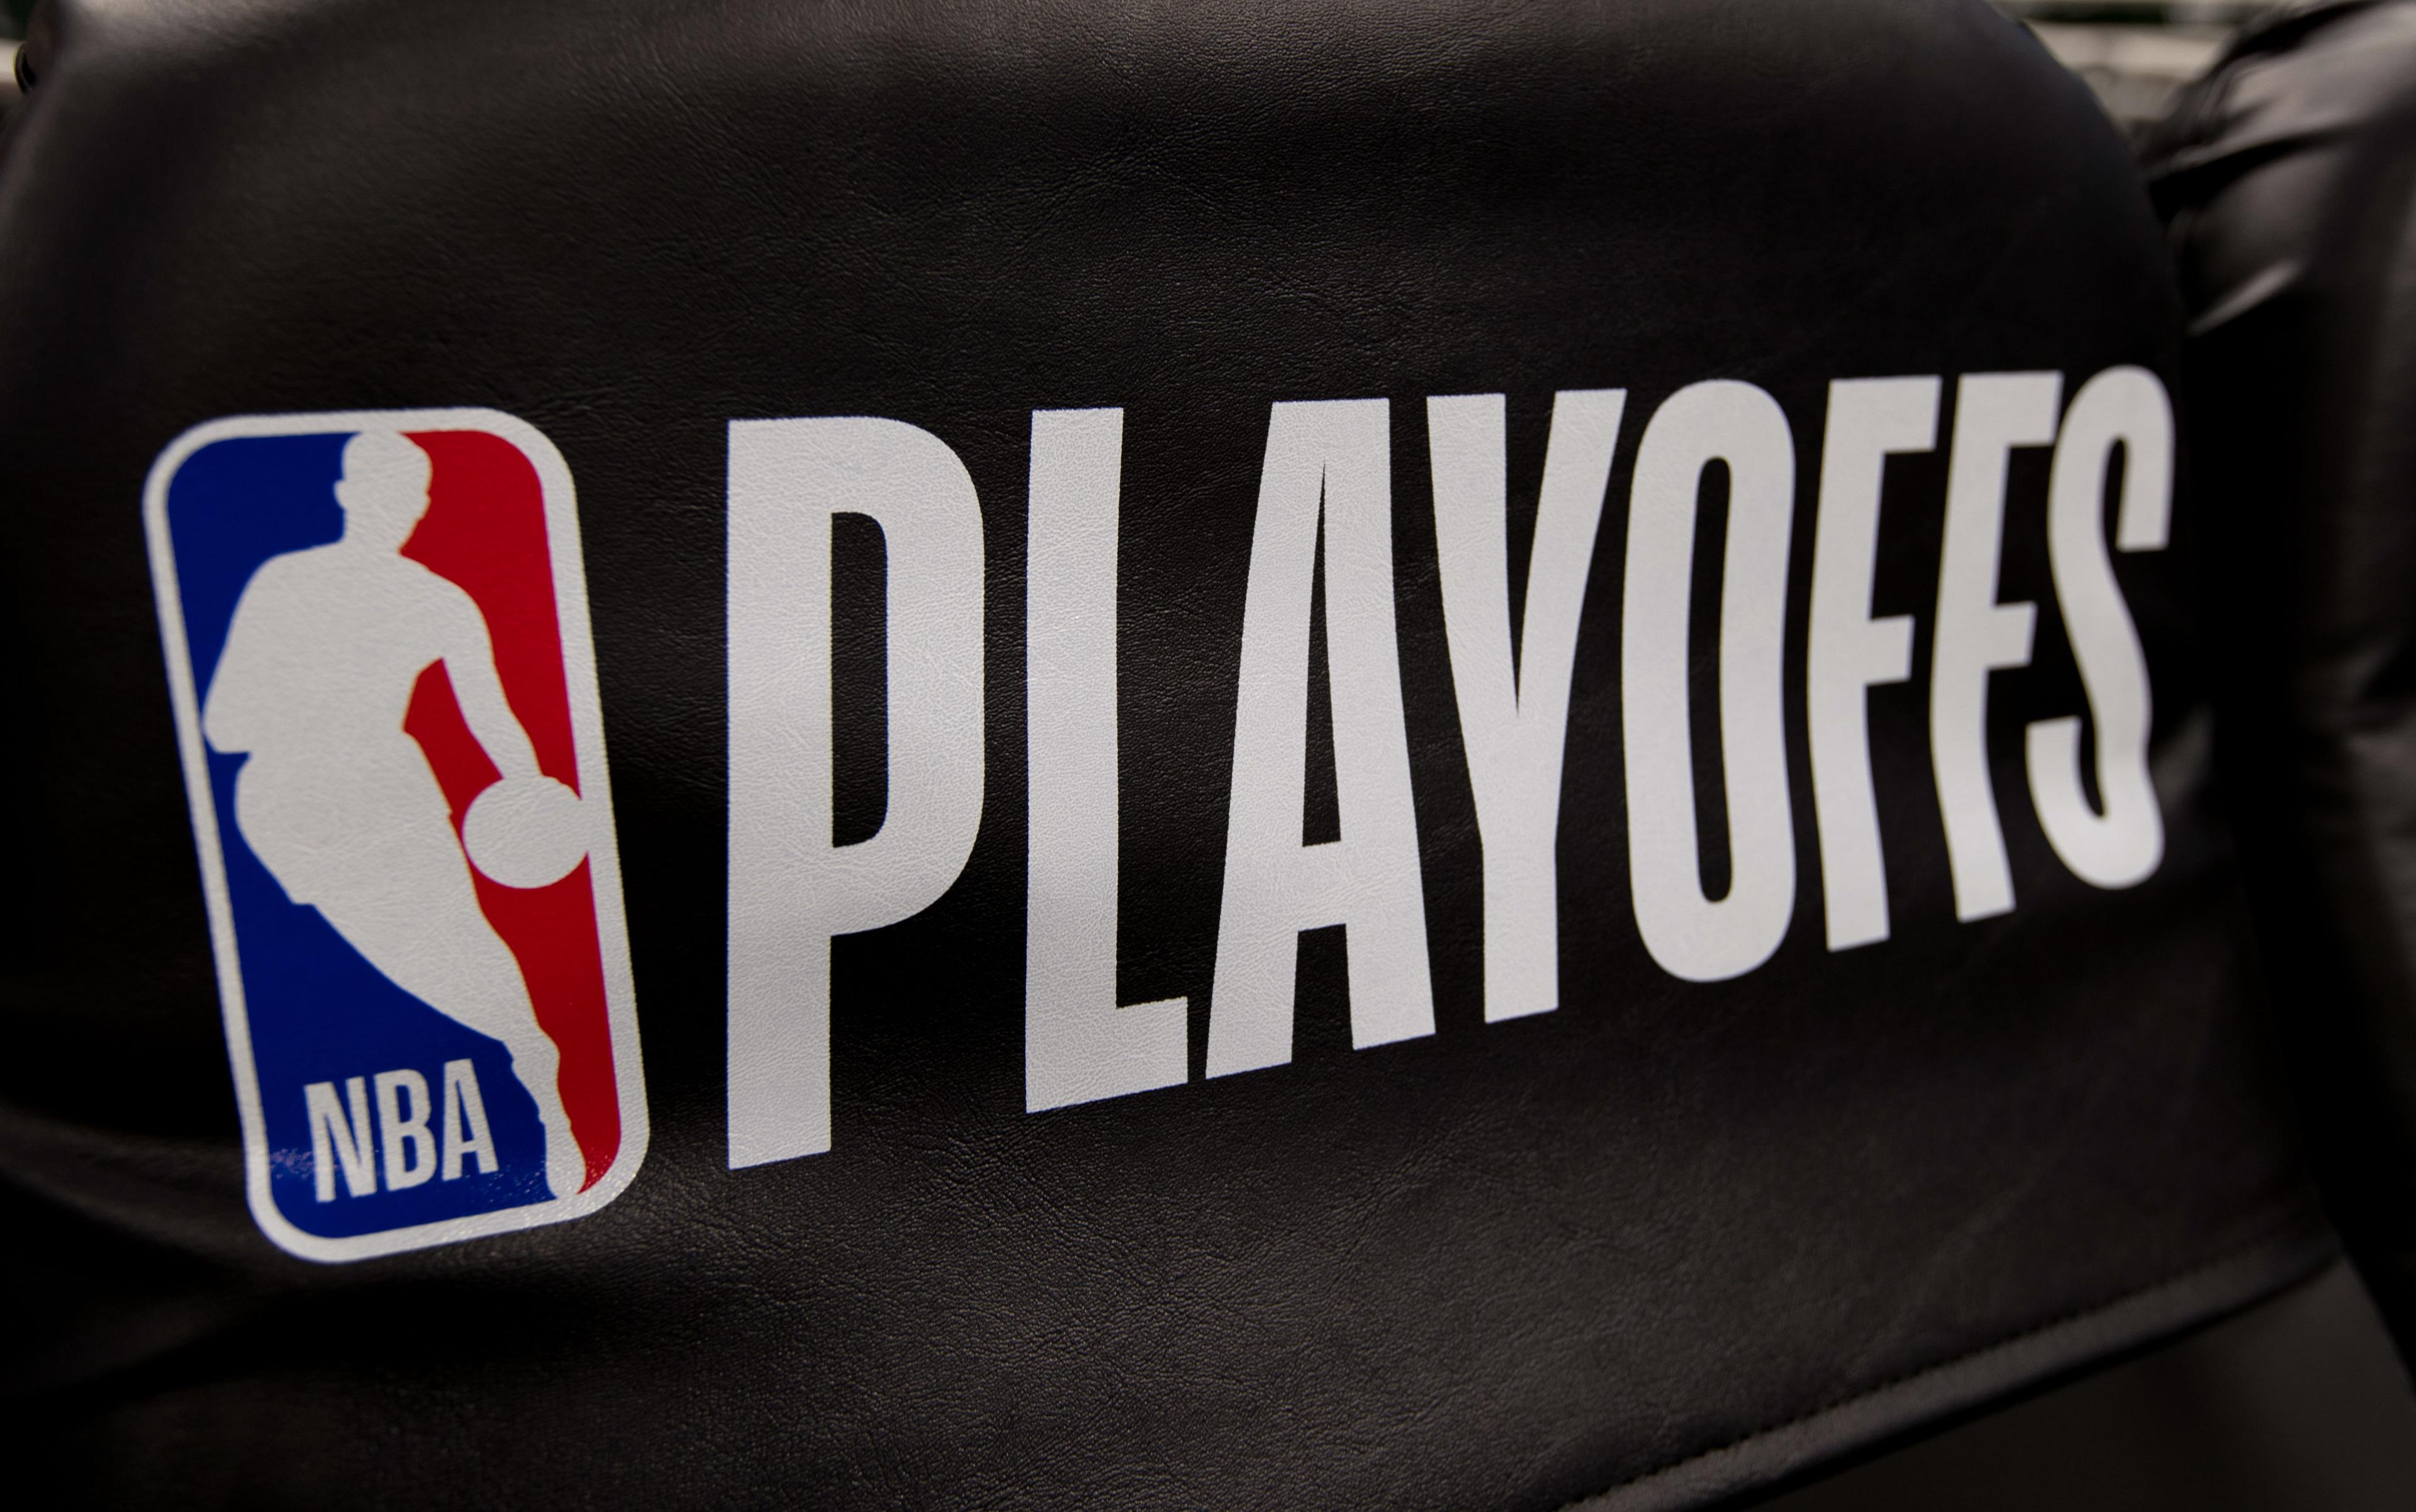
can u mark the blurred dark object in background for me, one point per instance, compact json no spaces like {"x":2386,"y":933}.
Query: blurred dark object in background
{"x":2137,"y":54}
{"x":2285,"y":179}
{"x":13,"y":17}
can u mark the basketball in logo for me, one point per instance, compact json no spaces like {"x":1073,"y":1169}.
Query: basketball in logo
{"x":377,"y":642}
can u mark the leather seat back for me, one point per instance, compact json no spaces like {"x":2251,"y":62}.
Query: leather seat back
{"x":1434,"y":758}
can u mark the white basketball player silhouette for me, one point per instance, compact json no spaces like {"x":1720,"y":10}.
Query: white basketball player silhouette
{"x":338,"y":802}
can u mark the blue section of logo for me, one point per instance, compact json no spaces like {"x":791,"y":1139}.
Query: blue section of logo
{"x":318,"y":1010}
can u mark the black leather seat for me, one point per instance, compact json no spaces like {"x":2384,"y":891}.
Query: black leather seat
{"x":1356,"y":758}
{"x":2283,"y":177}
{"x":2286,"y":180}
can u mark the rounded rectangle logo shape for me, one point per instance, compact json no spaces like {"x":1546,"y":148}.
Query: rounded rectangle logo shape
{"x":378,"y":647}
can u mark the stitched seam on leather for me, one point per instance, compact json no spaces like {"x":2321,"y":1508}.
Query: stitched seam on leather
{"x":2175,"y":1281}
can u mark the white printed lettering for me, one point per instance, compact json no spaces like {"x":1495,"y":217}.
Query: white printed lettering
{"x":466,"y":1134}
{"x":1851,"y":652}
{"x":2121,"y":846}
{"x":1514,"y":720}
{"x":336,"y":1138}
{"x":400,"y":1131}
{"x":1692,"y":935}
{"x":1369,"y":879}
{"x":790,"y":887}
{"x":1994,"y":413}
{"x":1078,"y":1046}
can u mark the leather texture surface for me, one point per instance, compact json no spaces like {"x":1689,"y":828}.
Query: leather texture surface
{"x":2287,"y":177}
{"x":2298,"y":1402}
{"x":1508,"y":1265}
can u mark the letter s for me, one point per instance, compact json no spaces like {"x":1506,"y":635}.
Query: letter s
{"x":2122,"y":845}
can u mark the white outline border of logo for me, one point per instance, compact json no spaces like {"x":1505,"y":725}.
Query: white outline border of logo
{"x":587,"y":735}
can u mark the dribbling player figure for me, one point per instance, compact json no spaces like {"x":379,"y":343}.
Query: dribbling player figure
{"x":338,"y":802}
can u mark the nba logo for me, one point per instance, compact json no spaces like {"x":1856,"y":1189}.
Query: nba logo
{"x":377,"y":644}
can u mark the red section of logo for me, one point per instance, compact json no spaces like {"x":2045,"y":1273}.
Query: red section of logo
{"x":485,"y":531}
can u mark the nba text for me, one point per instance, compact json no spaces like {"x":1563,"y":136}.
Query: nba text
{"x":399,"y":1140}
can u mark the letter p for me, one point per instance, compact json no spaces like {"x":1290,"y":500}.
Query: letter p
{"x":791,"y":888}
